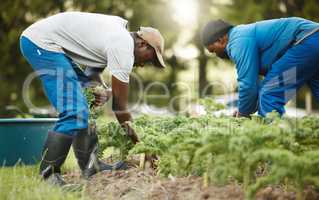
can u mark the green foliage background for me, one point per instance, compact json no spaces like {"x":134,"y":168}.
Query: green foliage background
{"x":16,"y":15}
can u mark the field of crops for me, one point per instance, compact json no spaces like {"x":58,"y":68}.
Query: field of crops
{"x":199,"y":158}
{"x":205,"y":157}
{"x":255,"y":153}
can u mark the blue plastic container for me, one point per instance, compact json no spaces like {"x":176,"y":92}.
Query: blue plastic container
{"x":22,"y":140}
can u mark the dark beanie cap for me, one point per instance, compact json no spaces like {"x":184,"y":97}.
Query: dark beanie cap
{"x":214,"y":30}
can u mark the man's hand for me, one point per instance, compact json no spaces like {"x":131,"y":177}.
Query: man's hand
{"x":102,"y":92}
{"x":130,"y":132}
{"x":101,"y":95}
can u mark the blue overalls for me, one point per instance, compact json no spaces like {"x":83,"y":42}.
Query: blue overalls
{"x":285,"y":51}
{"x":62,"y":80}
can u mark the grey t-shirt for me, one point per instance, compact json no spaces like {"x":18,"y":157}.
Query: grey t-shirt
{"x":89,"y":39}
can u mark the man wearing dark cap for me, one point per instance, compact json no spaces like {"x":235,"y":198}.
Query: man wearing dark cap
{"x":55,"y":47}
{"x":285,"y":51}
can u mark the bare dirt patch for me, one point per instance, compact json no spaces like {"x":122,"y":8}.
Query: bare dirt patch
{"x":137,"y":184}
{"x":134,"y":184}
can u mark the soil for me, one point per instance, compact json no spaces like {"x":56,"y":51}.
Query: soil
{"x":137,"y":184}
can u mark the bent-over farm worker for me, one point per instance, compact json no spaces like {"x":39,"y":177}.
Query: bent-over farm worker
{"x":285,"y":51}
{"x":55,"y":47}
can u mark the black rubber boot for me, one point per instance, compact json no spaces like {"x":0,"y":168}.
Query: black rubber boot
{"x":54,"y":153}
{"x":85,"y":147}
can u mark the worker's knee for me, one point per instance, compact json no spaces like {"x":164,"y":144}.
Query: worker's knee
{"x":82,"y":118}
{"x":72,"y":121}
{"x":269,"y":101}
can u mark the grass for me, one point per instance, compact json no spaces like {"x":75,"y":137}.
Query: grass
{"x":23,"y":182}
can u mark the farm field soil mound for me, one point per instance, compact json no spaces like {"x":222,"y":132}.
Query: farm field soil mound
{"x":137,"y":184}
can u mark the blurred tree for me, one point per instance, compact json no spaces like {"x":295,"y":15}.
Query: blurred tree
{"x":15,"y":16}
{"x":205,"y":14}
{"x":246,"y":11}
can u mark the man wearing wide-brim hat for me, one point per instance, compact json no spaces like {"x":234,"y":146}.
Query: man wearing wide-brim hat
{"x":55,"y":47}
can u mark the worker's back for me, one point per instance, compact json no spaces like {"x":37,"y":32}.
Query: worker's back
{"x":85,"y":37}
{"x":272,"y":37}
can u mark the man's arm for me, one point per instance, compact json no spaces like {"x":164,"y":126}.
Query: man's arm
{"x":245,"y":54}
{"x":119,"y":106}
{"x":120,"y":100}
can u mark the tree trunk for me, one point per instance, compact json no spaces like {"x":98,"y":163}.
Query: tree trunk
{"x":202,"y":75}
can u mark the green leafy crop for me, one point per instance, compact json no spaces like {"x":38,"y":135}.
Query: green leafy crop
{"x":255,"y":152}
{"x":226,"y":149}
{"x":95,"y":112}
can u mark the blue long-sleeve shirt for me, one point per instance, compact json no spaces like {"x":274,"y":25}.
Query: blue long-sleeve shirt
{"x":255,"y":47}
